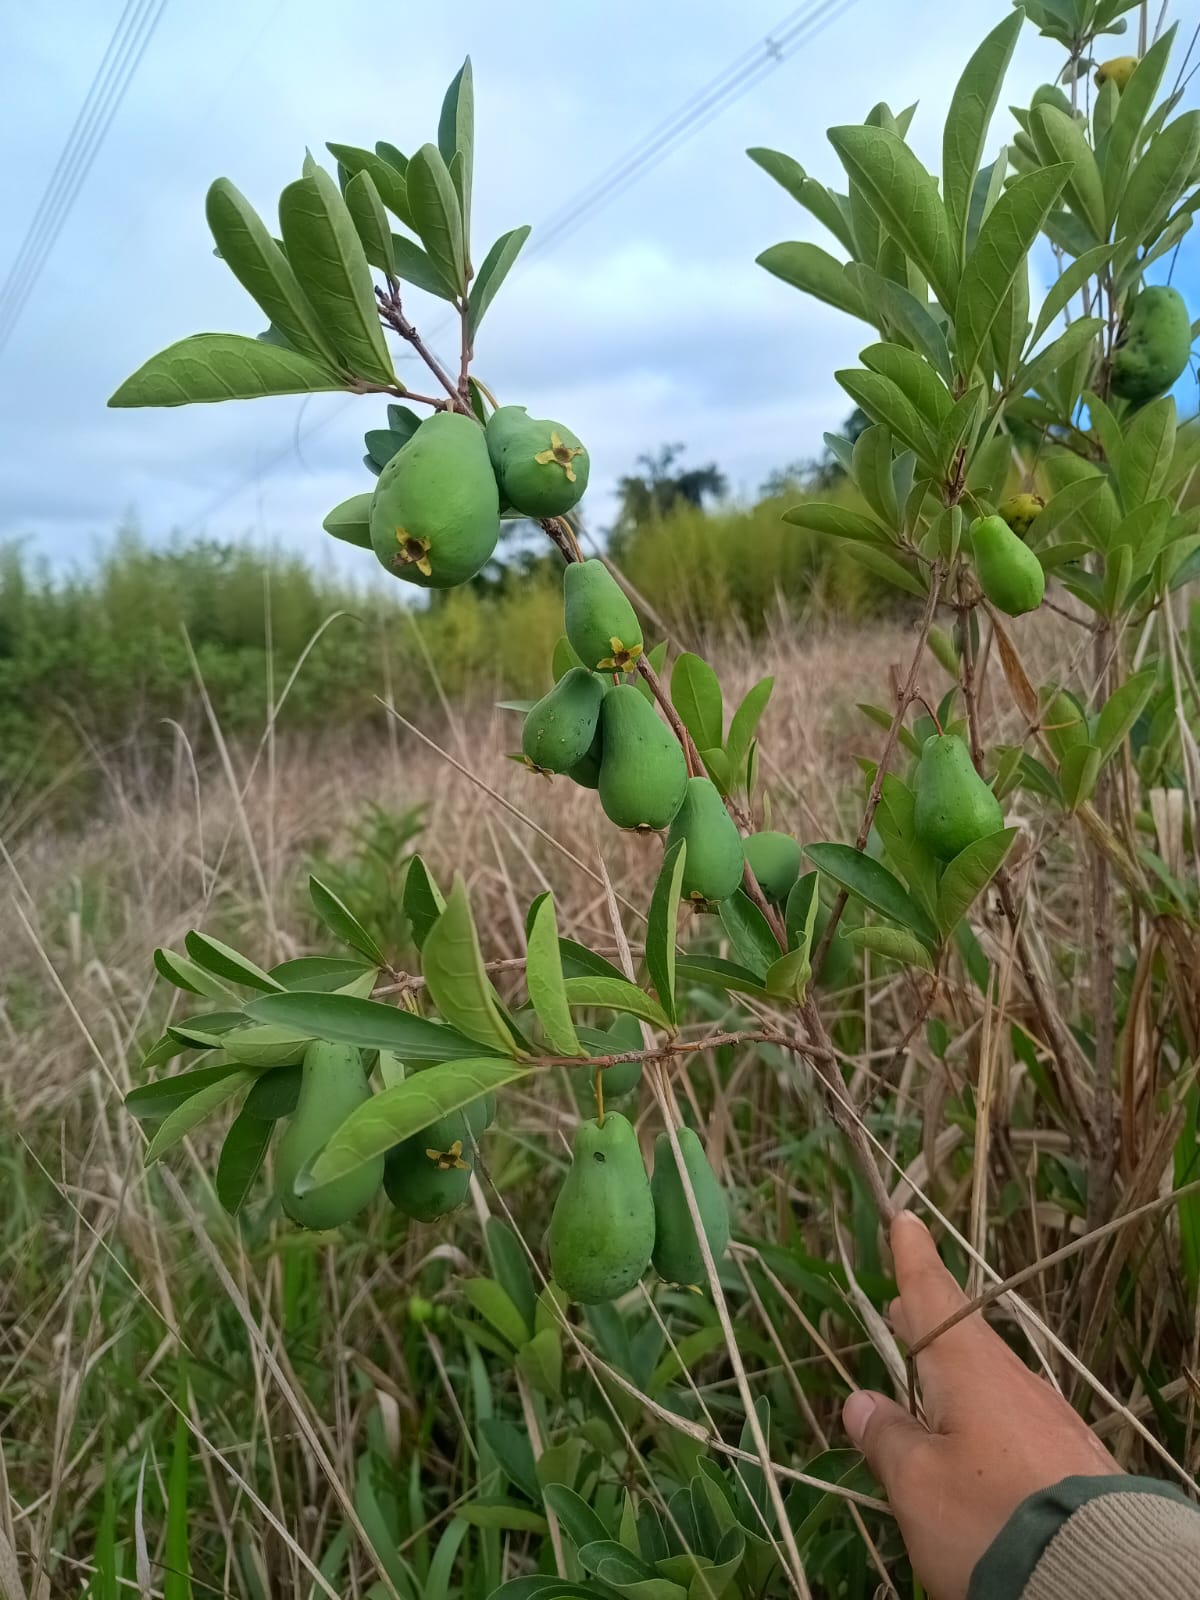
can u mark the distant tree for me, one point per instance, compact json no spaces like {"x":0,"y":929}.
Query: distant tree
{"x":649,"y":495}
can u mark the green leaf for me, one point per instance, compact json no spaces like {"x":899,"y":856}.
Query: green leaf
{"x":370,"y":222}
{"x":341,"y":921}
{"x":384,"y":174}
{"x":397,"y":1113}
{"x":745,"y":720}
{"x":884,"y":401}
{"x":971,"y":110}
{"x":327,"y":255}
{"x":1068,"y":284}
{"x":1119,"y":147}
{"x":414,"y":266}
{"x":1159,"y":178}
{"x":874,"y":885}
{"x":423,"y":901}
{"x":1060,"y":139}
{"x":905,"y":199}
{"x":966,"y":877}
{"x":222,"y":366}
{"x":242,"y":1155}
{"x":322,"y":973}
{"x":159,"y":1099}
{"x":1077,"y":773}
{"x":496,"y":266}
{"x":576,"y":1518}
{"x":617,"y":995}
{"x":455,"y":977}
{"x":915,"y":379}
{"x":1061,"y":508}
{"x":894,"y":944}
{"x":437,"y":215}
{"x":540,"y":1361}
{"x":696,"y":695}
{"x":749,"y":933}
{"x":274,"y":1093}
{"x":544,"y":980}
{"x":225,"y":962}
{"x":1000,"y":252}
{"x":904,"y":315}
{"x":1121,"y":710}
{"x":494,"y":1305}
{"x":511,"y":1515}
{"x":179,"y":1123}
{"x":350,"y":521}
{"x":815,"y":272}
{"x":837,"y":521}
{"x":717,"y":973}
{"x":263,"y":270}
{"x":613,"y":1564}
{"x":1146,"y":452}
{"x":540,"y":1587}
{"x":885,"y":567}
{"x":813,"y":196}
{"x":662,"y":925}
{"x":1058,"y":354}
{"x":193,"y":979}
{"x":456,"y":133}
{"x":369,"y":1024}
{"x":787,"y":978}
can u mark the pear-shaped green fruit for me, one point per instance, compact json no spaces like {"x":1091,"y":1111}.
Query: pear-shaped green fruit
{"x":953,"y":806}
{"x":775,"y":861}
{"x":1020,"y":512}
{"x":677,"y":1255}
{"x":559,"y":730}
{"x":1064,"y":721}
{"x":1156,"y":346}
{"x":480,"y":1114}
{"x":586,"y":771}
{"x":602,"y":1230}
{"x":332,"y":1085}
{"x":712,"y":868}
{"x":1008,"y":571}
{"x":435,"y":513}
{"x":429,"y":1174}
{"x":643,"y":773}
{"x":1119,"y":71}
{"x":541,"y":467}
{"x":601,"y":625}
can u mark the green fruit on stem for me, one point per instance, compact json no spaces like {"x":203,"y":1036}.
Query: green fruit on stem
{"x":559,"y":729}
{"x":602,"y":1229}
{"x":643,"y":773}
{"x":1020,"y":512}
{"x":619,"y":1081}
{"x":601,"y":625}
{"x":1155,"y":347}
{"x":775,"y":860}
{"x":1008,"y":571}
{"x":712,"y":868}
{"x":480,"y":1114}
{"x":953,"y":805}
{"x":1064,"y":721}
{"x":429,"y":1174}
{"x":541,"y":467}
{"x":586,"y":771}
{"x":1119,"y":71}
{"x":435,"y":513}
{"x":332,"y":1085}
{"x":677,"y":1256}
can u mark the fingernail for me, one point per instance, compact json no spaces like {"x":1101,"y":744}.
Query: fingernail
{"x":857,"y":1412}
{"x":909,"y":1219}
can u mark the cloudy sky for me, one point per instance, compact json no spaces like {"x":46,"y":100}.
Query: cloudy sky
{"x":649,"y":323}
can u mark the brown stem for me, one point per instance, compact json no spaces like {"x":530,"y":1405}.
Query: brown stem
{"x":655,"y":685}
{"x":1102,"y":1163}
{"x":391,"y":313}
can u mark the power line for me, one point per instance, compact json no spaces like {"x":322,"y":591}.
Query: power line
{"x":132,"y":35}
{"x":708,"y":102}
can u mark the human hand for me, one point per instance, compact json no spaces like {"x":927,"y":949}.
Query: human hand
{"x":996,"y":1432}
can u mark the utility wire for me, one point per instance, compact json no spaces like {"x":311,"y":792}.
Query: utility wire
{"x":708,"y":102}
{"x":132,"y":35}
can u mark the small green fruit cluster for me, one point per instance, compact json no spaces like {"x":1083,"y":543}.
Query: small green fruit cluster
{"x":435,"y":512}
{"x":611,"y":1221}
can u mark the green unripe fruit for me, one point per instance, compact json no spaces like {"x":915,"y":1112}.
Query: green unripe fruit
{"x":332,"y":1085}
{"x":601,"y":625}
{"x":541,"y":467}
{"x":1119,"y":71}
{"x":775,"y":861}
{"x":429,"y":1174}
{"x":618,"y":1081}
{"x":1156,"y":346}
{"x":602,"y":1230}
{"x":643,"y":773}
{"x":435,"y":513}
{"x":1020,"y":512}
{"x":586,"y":771}
{"x":953,"y":805}
{"x":1064,"y":722}
{"x":712,"y":868}
{"x":559,"y":730}
{"x":480,"y":1114}
{"x":677,"y":1256}
{"x":1008,"y":571}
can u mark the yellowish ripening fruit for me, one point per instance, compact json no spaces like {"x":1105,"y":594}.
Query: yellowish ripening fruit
{"x":1119,"y":71}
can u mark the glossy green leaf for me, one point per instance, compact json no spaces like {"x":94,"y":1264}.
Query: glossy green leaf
{"x":915,"y":379}
{"x":576,"y":1518}
{"x":242,"y":1155}
{"x":749,"y":933}
{"x":1146,"y":452}
{"x":369,"y":1024}
{"x":370,"y":222}
{"x":884,"y":401}
{"x":1077,"y":773}
{"x":222,"y":366}
{"x":1059,"y":353}
{"x":341,"y":921}
{"x":904,"y":197}
{"x":455,"y":977}
{"x":614,"y":1565}
{"x":225,"y":962}
{"x":190,"y":977}
{"x":540,"y":1361}
{"x":510,"y":1515}
{"x":815,"y":272}
{"x":1160,"y":177}
{"x":350,"y":521}
{"x":437,"y":215}
{"x":1120,"y":145}
{"x":840,"y":522}
{"x":496,"y":266}
{"x":966,"y":877}
{"x":177,"y":1124}
{"x":493,"y":1303}
{"x":384,"y":174}
{"x":1068,"y":284}
{"x":904,"y":316}
{"x":327,"y":255}
{"x":456,"y":134}
{"x":539,"y":1587}
{"x":397,"y":1113}
{"x":616,"y":995}
{"x":662,"y":926}
{"x":972,"y":107}
{"x":874,"y":885}
{"x":159,"y":1099}
{"x":414,"y":266}
{"x":744,"y":722}
{"x":813,"y":196}
{"x":274,"y":1093}
{"x":787,"y":978}
{"x":1061,"y":140}
{"x":423,"y":901}
{"x":696,"y":695}
{"x":886,"y":567}
{"x":894,"y":944}
{"x":1121,"y":710}
{"x":544,"y":980}
{"x":1004,"y":242}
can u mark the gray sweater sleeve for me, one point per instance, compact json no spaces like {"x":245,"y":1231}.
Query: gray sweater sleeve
{"x":1119,"y":1538}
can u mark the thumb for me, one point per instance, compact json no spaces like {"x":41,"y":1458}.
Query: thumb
{"x":885,"y":1433}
